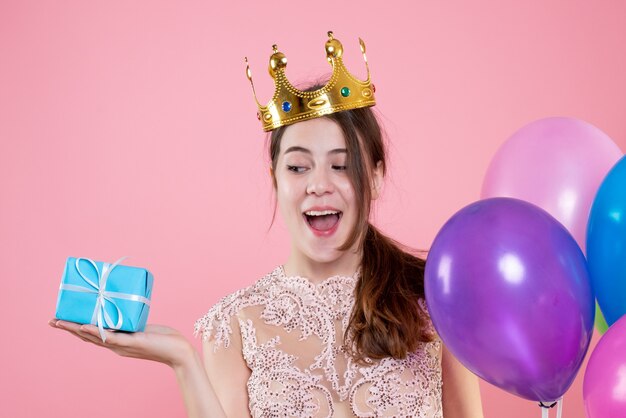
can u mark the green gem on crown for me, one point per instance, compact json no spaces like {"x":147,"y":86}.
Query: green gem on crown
{"x":345,"y":92}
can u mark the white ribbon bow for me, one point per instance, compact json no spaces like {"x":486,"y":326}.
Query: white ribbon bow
{"x":103,"y":295}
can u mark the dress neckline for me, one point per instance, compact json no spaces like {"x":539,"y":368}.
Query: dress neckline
{"x":338,"y":277}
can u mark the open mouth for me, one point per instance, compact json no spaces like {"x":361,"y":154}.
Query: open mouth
{"x":323,"y":220}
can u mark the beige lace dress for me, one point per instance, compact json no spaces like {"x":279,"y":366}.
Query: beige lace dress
{"x":292,"y":341}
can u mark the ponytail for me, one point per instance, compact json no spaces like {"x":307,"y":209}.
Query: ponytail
{"x":387,"y":319}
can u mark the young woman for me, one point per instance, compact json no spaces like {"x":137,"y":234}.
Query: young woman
{"x":341,"y":329}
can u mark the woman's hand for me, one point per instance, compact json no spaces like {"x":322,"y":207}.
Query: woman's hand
{"x":157,"y":343}
{"x":165,"y":345}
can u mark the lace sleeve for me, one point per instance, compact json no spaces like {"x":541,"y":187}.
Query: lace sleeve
{"x":216,"y":324}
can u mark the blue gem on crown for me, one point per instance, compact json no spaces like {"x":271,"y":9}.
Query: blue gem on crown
{"x":286,"y":106}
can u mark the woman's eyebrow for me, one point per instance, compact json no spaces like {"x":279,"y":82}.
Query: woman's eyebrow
{"x":307,"y":151}
{"x":296,"y":149}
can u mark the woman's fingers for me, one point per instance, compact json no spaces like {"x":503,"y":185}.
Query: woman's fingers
{"x":119,"y":342}
{"x":74,"y":329}
{"x":77,"y":335}
{"x":91,"y":333}
{"x":64,"y":325}
{"x":84,"y":332}
{"x":96,"y":339}
{"x":158,"y":342}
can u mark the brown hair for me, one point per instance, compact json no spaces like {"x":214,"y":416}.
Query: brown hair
{"x":387,"y":320}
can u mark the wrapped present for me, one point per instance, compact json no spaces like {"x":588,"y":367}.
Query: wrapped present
{"x":110,"y":296}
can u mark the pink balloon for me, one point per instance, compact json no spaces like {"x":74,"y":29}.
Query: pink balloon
{"x":604,"y":386}
{"x":557,"y":164}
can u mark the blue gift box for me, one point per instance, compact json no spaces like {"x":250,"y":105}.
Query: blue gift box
{"x":111,"y":296}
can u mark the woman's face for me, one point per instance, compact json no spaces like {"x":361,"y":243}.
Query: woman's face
{"x":314,"y":192}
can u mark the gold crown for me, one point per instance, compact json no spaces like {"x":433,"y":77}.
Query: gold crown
{"x":290,"y":105}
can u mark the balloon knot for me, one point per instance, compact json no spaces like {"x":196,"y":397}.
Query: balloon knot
{"x":541,"y":404}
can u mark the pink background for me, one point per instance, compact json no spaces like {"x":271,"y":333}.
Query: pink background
{"x":128,"y":128}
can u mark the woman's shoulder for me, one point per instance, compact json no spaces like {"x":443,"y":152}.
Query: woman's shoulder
{"x":430,"y":327}
{"x":217,"y":322}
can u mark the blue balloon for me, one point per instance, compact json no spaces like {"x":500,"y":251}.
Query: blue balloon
{"x":606,"y":243}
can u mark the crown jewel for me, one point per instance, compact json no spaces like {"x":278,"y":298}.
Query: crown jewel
{"x":290,"y":105}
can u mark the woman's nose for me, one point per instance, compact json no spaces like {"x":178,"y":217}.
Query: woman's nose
{"x":319,"y":182}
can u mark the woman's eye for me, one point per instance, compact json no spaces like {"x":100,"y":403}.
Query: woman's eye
{"x":339,"y":167}
{"x":296,"y":168}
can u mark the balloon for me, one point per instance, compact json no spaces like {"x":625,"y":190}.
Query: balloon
{"x":557,"y":164}
{"x":606,"y":244}
{"x":604,"y":385}
{"x":508,"y":292}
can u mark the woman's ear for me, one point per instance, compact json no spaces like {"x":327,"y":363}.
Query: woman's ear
{"x":272,"y":176}
{"x":377,"y":180}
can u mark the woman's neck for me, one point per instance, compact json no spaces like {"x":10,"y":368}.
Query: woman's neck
{"x":298,"y":265}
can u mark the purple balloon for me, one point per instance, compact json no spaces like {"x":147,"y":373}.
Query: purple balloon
{"x":604,"y":386}
{"x":508,"y":291}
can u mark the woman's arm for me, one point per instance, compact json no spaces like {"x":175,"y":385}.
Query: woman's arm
{"x":228,"y":372}
{"x":461,"y":394}
{"x":164,"y":345}
{"x":200,"y":398}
